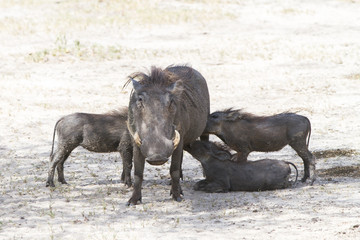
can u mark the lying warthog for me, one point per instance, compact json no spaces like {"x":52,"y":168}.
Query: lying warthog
{"x":168,"y":108}
{"x":94,"y":132}
{"x":224,"y":175}
{"x":245,"y":133}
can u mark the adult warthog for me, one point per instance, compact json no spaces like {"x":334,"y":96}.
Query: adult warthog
{"x":94,"y":132}
{"x":168,"y":108}
{"x":224,"y":175}
{"x":245,"y":133}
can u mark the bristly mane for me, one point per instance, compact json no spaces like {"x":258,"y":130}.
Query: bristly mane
{"x":163,"y":78}
{"x":157,"y":76}
{"x":239,"y":114}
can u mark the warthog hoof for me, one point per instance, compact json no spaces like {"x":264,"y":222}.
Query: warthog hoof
{"x":308,"y":180}
{"x":63,"y":181}
{"x":133,"y":202}
{"x":303,"y":179}
{"x":128,"y":184}
{"x":50,"y":184}
{"x":178,"y":199}
{"x":200,"y":185}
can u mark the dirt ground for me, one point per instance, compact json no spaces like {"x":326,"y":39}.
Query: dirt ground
{"x":60,"y":57}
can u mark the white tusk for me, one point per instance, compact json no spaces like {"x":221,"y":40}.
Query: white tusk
{"x":137,"y":139}
{"x":176,"y":139}
{"x":135,"y":135}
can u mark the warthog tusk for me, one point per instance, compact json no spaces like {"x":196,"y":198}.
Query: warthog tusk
{"x":138,"y":142}
{"x":135,"y":135}
{"x":176,"y":139}
{"x":137,"y":139}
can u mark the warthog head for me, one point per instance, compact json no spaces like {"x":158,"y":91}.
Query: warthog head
{"x":215,"y":121}
{"x":153,"y":115}
{"x":204,"y":150}
{"x":219,"y":120}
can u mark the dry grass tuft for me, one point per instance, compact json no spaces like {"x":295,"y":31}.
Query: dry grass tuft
{"x":342,"y":171}
{"x":335,"y":153}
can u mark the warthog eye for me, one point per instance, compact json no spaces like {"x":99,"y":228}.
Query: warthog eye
{"x":214,"y":116}
{"x":139,"y":101}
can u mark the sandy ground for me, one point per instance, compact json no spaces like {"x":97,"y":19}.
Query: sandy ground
{"x":60,"y":57}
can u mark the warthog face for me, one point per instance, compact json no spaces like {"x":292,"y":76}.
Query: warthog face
{"x":152,"y":116}
{"x":204,"y":150}
{"x":214,"y":122}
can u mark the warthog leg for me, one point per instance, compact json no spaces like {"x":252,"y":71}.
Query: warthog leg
{"x":308,"y":159}
{"x":126,"y":153}
{"x":200,"y":185}
{"x":60,"y":169}
{"x":57,"y":160}
{"x":213,"y":187}
{"x":175,"y":172}
{"x":139,"y":162}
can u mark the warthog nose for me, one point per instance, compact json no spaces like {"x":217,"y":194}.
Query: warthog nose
{"x":156,"y":160}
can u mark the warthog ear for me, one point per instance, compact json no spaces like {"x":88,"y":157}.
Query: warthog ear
{"x":232,"y":116}
{"x":221,"y":155}
{"x":136,"y":85}
{"x":177,"y":87}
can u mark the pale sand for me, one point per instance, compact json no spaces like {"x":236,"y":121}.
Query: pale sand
{"x":267,"y":57}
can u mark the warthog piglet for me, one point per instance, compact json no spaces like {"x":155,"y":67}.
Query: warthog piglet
{"x":224,"y":175}
{"x":94,"y":132}
{"x":245,"y":133}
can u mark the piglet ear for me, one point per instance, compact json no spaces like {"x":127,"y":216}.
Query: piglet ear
{"x":136,"y":85}
{"x":177,"y":87}
{"x":220,"y":154}
{"x":223,"y":156}
{"x":233,"y":116}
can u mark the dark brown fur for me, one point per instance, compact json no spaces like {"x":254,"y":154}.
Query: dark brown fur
{"x":224,"y":175}
{"x":94,"y":132}
{"x":245,"y":132}
{"x":165,"y":100}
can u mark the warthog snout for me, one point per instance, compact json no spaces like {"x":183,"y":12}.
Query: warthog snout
{"x":138,"y":141}
{"x":156,"y":160}
{"x":155,"y":154}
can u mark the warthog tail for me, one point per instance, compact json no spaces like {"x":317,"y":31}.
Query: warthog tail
{"x":52,"y":147}
{"x":297,"y":173}
{"x":309,"y":133}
